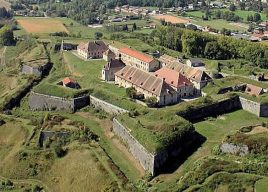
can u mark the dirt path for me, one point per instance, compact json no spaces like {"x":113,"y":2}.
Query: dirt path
{"x":106,"y":124}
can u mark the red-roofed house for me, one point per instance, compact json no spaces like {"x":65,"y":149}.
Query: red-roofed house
{"x":139,"y":60}
{"x":177,"y":81}
{"x":254,"y":90}
{"x":69,"y":82}
{"x":147,"y":84}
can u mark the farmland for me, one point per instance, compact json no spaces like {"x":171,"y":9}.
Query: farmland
{"x":41,"y":25}
{"x":172,"y":19}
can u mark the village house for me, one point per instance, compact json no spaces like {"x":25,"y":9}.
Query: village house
{"x":147,"y":84}
{"x":109,"y":55}
{"x":254,"y":90}
{"x":166,"y":60}
{"x":195,"y":63}
{"x":113,"y":66}
{"x":92,"y":49}
{"x":177,"y":81}
{"x":139,"y":60}
{"x":69,"y":82}
{"x":198,"y":77}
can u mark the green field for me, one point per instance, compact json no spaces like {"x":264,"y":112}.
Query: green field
{"x":241,"y":13}
{"x":262,"y":185}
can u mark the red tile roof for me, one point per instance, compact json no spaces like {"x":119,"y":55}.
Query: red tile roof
{"x":136,"y":54}
{"x":253,"y":90}
{"x":173,"y":78}
{"x":146,"y":81}
{"x":67,"y":80}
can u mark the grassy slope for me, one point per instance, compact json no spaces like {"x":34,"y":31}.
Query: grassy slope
{"x":91,"y":171}
{"x":214,"y":130}
{"x":213,"y":89}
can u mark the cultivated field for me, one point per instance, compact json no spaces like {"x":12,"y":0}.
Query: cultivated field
{"x":42,"y":25}
{"x":172,"y":19}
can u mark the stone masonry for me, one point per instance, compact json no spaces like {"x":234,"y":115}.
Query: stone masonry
{"x":43,"y":102}
{"x":105,"y":106}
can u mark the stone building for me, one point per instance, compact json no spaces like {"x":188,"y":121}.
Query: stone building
{"x":166,"y":60}
{"x":139,"y":60}
{"x":195,"y":63}
{"x":198,"y":77}
{"x":177,"y":81}
{"x":147,"y":84}
{"x":254,"y":90}
{"x":109,"y":55}
{"x":92,"y":49}
{"x":111,"y":68}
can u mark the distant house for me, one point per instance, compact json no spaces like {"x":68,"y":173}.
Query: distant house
{"x":147,"y":84}
{"x":69,"y":82}
{"x":198,"y":77}
{"x":139,"y":60}
{"x":109,"y":55}
{"x":177,"y":81}
{"x":195,"y":63}
{"x":166,"y":59}
{"x":254,"y":90}
{"x":92,"y":49}
{"x":113,"y":66}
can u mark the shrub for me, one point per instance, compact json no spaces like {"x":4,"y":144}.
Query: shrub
{"x":131,"y":92}
{"x":151,"y":101}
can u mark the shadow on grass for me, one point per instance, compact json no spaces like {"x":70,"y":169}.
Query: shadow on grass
{"x":174,"y":162}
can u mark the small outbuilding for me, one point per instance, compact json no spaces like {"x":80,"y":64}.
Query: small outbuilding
{"x":195,"y":63}
{"x":254,"y":90}
{"x":69,"y":82}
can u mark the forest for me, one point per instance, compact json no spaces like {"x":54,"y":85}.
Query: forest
{"x":92,"y":11}
{"x":196,"y":43}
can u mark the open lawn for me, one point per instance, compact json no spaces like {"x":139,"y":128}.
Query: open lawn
{"x":241,"y":13}
{"x":219,"y":24}
{"x":261,"y":185}
{"x":172,"y":19}
{"x":41,"y":25}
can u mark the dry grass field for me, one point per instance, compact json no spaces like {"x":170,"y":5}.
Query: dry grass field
{"x":5,"y":4}
{"x":82,"y":172}
{"x":172,"y":19}
{"x":42,"y":25}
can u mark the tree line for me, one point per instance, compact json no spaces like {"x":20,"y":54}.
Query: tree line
{"x":199,"y":44}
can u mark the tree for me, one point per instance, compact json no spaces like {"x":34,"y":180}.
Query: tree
{"x":249,"y":18}
{"x":232,"y":7}
{"x":256,"y":17}
{"x":98,"y":35}
{"x":131,"y":92}
{"x":151,"y":101}
{"x":6,"y":36}
{"x":242,"y":5}
{"x":125,"y":27}
{"x":266,"y":12}
{"x":134,"y":27}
